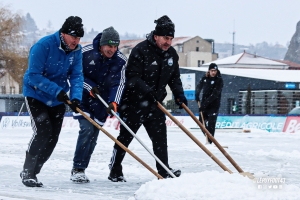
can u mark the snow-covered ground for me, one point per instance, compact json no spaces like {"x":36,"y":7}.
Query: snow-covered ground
{"x":271,"y":155}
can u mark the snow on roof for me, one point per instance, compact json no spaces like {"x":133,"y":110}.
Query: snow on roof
{"x":133,"y":43}
{"x":264,"y":74}
{"x":247,"y":60}
{"x":129,"y":43}
{"x":180,"y":40}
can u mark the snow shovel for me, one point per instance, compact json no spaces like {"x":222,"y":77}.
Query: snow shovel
{"x":194,"y":139}
{"x":119,"y":143}
{"x":201,"y":114}
{"x":237,"y":167}
{"x":136,"y":137}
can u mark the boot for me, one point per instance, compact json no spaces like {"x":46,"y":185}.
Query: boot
{"x":176,"y":172}
{"x":116,"y":174}
{"x":28,"y":174}
{"x":78,"y":176}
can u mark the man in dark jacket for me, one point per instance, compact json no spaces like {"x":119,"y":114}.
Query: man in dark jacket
{"x":151,"y":66}
{"x":211,"y":84}
{"x":53,"y":61}
{"x":104,"y":75}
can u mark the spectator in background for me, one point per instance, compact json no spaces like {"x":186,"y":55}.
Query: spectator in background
{"x":211,"y":84}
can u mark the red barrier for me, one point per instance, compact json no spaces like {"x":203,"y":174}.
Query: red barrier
{"x":292,"y":124}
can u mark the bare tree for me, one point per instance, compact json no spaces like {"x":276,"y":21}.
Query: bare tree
{"x":12,"y":56}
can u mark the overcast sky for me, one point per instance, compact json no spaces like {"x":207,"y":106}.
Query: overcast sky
{"x":255,"y":21}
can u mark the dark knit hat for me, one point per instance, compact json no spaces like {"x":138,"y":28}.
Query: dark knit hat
{"x":73,"y":26}
{"x":213,"y":66}
{"x":110,"y":37}
{"x":164,"y":26}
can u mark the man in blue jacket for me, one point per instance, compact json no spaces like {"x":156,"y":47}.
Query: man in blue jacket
{"x":54,"y":62}
{"x":104,"y":74}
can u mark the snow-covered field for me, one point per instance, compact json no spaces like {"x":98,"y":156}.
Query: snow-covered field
{"x":272,"y":155}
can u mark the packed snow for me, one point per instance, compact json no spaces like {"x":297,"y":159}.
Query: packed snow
{"x":270,"y":156}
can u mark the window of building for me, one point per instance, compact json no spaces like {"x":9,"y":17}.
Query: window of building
{"x":199,"y":63}
{"x":197,"y":41}
{"x":180,"y":48}
{"x":197,"y":48}
{"x":202,"y":62}
{"x":3,"y":90}
{"x":12,"y":90}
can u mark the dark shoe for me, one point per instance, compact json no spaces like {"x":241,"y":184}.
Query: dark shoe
{"x":116,"y":176}
{"x":78,"y":176}
{"x":176,"y":172}
{"x":28,"y":174}
{"x":30,"y":180}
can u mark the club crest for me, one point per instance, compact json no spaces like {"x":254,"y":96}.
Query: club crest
{"x":170,"y":61}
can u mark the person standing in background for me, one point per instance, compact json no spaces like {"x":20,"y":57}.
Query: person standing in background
{"x":211,"y":84}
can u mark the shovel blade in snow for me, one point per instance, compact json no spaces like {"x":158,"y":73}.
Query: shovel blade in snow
{"x":248,"y":174}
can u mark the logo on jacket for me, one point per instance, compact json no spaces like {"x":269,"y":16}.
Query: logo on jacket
{"x":154,"y":63}
{"x":92,"y":62}
{"x":212,"y":82}
{"x":71,"y":59}
{"x":170,"y":61}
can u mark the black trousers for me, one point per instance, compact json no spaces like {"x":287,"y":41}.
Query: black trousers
{"x":210,"y":120}
{"x":46,"y":124}
{"x":157,"y":131}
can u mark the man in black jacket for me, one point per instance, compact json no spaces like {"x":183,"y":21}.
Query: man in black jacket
{"x":151,"y":66}
{"x":212,"y":84}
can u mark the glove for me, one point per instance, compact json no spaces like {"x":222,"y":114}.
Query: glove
{"x":62,"y":97}
{"x":75,"y":104}
{"x":200,"y":109}
{"x":94,"y":91}
{"x":181,"y":99}
{"x":112,"y":106}
{"x":151,"y":98}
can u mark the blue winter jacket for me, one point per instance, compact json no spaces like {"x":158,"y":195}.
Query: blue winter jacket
{"x":108,"y":74}
{"x":50,"y":69}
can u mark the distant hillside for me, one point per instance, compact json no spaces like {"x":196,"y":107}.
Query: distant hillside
{"x":293,"y":52}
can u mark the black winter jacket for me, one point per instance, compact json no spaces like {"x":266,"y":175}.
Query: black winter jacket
{"x":212,"y":89}
{"x":150,"y":69}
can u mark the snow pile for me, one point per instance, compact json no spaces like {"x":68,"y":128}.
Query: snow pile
{"x":212,"y":185}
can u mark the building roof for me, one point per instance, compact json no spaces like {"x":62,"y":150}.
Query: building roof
{"x":247,"y":60}
{"x":291,"y":64}
{"x":132,"y":43}
{"x":264,"y":74}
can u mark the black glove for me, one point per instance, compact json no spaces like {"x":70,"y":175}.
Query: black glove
{"x":62,"y":97}
{"x":200,"y":109}
{"x":94,"y":91}
{"x":112,"y":107}
{"x":181,"y":99}
{"x":151,"y":97}
{"x":75,"y":104}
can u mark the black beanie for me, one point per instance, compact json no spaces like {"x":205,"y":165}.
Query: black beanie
{"x":213,"y":66}
{"x":73,"y":26}
{"x":164,"y":26}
